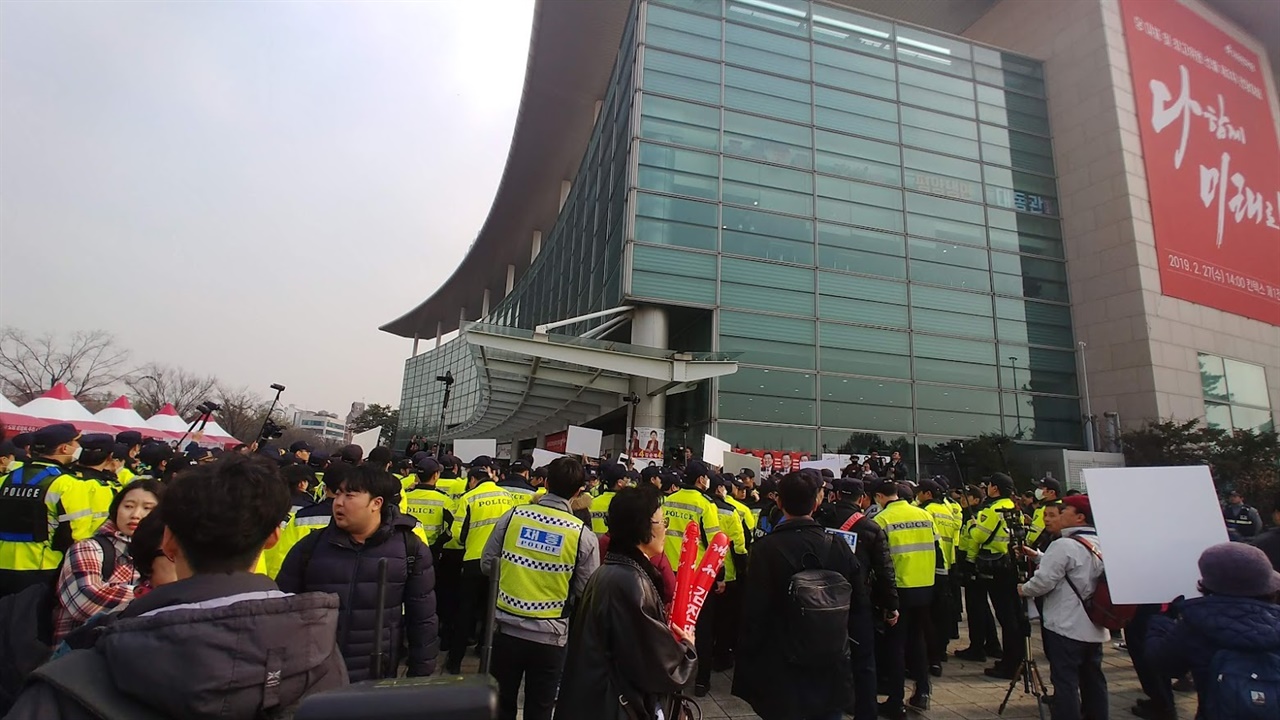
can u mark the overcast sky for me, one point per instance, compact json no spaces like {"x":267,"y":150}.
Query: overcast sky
{"x":250,"y":189}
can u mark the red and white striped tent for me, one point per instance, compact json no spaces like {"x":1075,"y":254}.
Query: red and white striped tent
{"x":57,"y":405}
{"x":214,"y":434}
{"x":15,"y":421}
{"x":168,"y":420}
{"x":122,"y":415}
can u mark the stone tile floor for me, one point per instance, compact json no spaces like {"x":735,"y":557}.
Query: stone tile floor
{"x":963,"y":692}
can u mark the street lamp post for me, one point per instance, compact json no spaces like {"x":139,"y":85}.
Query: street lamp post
{"x":1088,"y":407}
{"x":634,"y":399}
{"x":447,"y":379}
{"x":1017,"y":401}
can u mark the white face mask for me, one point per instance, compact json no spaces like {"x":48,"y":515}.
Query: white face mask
{"x":75,"y":454}
{"x":1039,"y":493}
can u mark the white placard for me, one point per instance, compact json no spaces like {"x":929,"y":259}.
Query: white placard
{"x":735,"y":463}
{"x":367,"y":440}
{"x":468,"y":450}
{"x":832,"y":464}
{"x":1154,"y":561}
{"x":583,"y":441}
{"x":713,"y":450}
{"x":542,"y":458}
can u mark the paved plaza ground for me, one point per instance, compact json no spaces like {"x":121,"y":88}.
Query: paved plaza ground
{"x":964,"y":693}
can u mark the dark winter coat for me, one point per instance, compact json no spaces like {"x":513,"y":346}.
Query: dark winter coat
{"x":872,"y":553}
{"x":339,"y":565}
{"x":1269,"y":543}
{"x":775,"y":689}
{"x":620,"y":645}
{"x":230,"y":648}
{"x":1206,"y":625}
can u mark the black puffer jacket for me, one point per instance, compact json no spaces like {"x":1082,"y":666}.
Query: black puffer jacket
{"x":330,"y":561}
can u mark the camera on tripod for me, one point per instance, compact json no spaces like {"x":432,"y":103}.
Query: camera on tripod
{"x":208,"y":407}
{"x":270,"y":431}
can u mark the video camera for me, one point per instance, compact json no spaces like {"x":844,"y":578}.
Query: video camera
{"x":270,"y":431}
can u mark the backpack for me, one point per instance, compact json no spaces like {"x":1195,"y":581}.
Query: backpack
{"x":816,"y":616}
{"x":1243,"y":685}
{"x":1098,"y":606}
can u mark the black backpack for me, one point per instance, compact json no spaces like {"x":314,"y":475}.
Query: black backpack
{"x":816,"y":616}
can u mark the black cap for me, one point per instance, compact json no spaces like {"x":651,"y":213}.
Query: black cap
{"x":611,"y":473}
{"x":23,"y":440}
{"x":482,"y":461}
{"x":7,"y":449}
{"x":427,"y":465}
{"x":318,"y":459}
{"x":380,"y":455}
{"x":942,"y":481}
{"x":97,"y":442}
{"x":717,"y":480}
{"x":695,"y":470}
{"x":849,"y":486}
{"x":768,"y":485}
{"x":670,"y":479}
{"x":155,"y":453}
{"x":51,"y":436}
{"x":519,"y":466}
{"x":1051,"y":484}
{"x":747,"y":473}
{"x":129,"y":437}
{"x":301,"y":445}
{"x":650,"y":472}
{"x":929,"y":486}
{"x":734,"y":481}
{"x":351,"y":454}
{"x":1004,"y":482}
{"x":885,"y":487}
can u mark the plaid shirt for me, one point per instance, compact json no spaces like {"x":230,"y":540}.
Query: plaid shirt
{"x":83,"y":592}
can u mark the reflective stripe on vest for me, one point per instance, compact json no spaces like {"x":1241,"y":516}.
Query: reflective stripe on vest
{"x":600,"y":513}
{"x":539,"y":553}
{"x":911,"y":543}
{"x":428,"y":506}
{"x":483,"y":508}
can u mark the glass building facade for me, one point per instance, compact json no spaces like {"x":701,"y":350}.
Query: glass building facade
{"x":865,"y":211}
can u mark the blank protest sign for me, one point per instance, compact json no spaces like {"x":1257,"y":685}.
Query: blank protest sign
{"x":543,"y":458}
{"x":735,"y":463}
{"x":1153,"y":523}
{"x":713,"y":450}
{"x":583,"y":441}
{"x":468,"y":450}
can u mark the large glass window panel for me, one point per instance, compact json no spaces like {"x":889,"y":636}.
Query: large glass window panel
{"x":752,"y":285}
{"x":769,"y":340}
{"x":943,"y":165}
{"x":946,"y":124}
{"x":847,"y":156}
{"x":944,"y":208}
{"x":773,"y":383}
{"x":856,"y":114}
{"x":939,"y":142}
{"x":863,"y":350}
{"x":690,"y":212}
{"x":768,"y":437}
{"x":935,"y":52}
{"x":947,"y":422}
{"x":681,"y":172}
{"x":1037,"y":370}
{"x":1042,"y":419}
{"x":862,"y":300}
{"x":1246,"y":383}
{"x":760,"y":408}
{"x":851,"y":30}
{"x":1021,"y":191}
{"x":1255,"y":419}
{"x":945,"y":253}
{"x":870,"y":417}
{"x":768,"y":140}
{"x":767,"y":236}
{"x":1029,"y":277}
{"x":874,"y":195}
{"x":679,"y":122}
{"x":859,"y":214}
{"x":681,"y":31}
{"x":1213,"y":378}
{"x":983,"y":353}
{"x":933,"y":81}
{"x":788,"y":16}
{"x":937,"y":321}
{"x":1019,"y":150}
{"x":1023,"y":233}
{"x":1033,"y":323}
{"x":1012,"y":80}
{"x":851,"y":71}
{"x":860,"y":390}
{"x":709,"y":7}
{"x":766,"y":51}
{"x":946,"y":231}
{"x":1217,"y":415}
{"x":681,"y":76}
{"x":673,"y":275}
{"x":861,"y":251}
{"x":941,"y":397}
{"x":768,"y":187}
{"x":936,"y":100}
{"x":767,"y":95}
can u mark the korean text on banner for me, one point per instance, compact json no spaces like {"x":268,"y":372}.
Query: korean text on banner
{"x":713,"y":450}
{"x":468,"y":450}
{"x":583,"y":441}
{"x":1154,"y":562}
{"x":1212,"y":160}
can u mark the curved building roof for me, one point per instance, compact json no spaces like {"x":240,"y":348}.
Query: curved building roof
{"x":571,"y":56}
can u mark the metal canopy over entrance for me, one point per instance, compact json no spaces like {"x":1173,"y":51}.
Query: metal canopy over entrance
{"x":539,"y":382}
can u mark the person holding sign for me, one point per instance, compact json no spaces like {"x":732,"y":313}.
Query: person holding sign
{"x":689,"y":505}
{"x":545,"y":555}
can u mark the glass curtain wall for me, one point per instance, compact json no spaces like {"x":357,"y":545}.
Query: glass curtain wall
{"x":871,"y":211}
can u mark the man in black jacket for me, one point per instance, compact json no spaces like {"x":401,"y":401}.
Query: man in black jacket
{"x":873,"y":556}
{"x":775,"y":688}
{"x":221,"y":641}
{"x":343,"y":559}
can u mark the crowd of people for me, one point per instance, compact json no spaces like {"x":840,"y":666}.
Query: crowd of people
{"x":139,"y":582}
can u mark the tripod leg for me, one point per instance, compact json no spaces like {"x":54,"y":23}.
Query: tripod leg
{"x":1017,"y":675}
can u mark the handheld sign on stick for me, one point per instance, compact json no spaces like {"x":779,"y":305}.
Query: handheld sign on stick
{"x":684,"y":574}
{"x":712,"y":561}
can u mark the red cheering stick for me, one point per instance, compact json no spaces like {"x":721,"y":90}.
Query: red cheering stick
{"x":684,"y":574}
{"x":712,"y":561}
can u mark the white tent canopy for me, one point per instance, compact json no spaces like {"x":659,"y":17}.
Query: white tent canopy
{"x":57,"y":404}
{"x":167,"y":419}
{"x":121,"y":413}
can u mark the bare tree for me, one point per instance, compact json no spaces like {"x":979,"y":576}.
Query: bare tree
{"x":153,"y":385}
{"x":88,"y":363}
{"x":242,"y":412}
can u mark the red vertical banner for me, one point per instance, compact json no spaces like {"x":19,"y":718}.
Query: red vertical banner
{"x":1210,"y":151}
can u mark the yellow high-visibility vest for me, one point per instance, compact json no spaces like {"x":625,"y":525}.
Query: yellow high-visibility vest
{"x":682,"y":507}
{"x":911,"y":543}
{"x":600,"y":512}
{"x":479,"y":510}
{"x":988,"y":532}
{"x":429,"y":505}
{"x":539,"y":554}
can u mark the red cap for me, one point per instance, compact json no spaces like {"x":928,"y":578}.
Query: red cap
{"x":1081,"y":505}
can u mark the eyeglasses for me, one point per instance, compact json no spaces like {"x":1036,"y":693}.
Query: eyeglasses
{"x":664,"y":522}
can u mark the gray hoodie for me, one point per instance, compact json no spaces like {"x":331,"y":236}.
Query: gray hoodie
{"x":231,"y":647}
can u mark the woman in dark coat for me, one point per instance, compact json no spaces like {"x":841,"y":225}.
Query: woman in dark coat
{"x":624,"y":660}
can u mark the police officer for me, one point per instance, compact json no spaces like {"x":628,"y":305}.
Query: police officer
{"x":132,"y":439}
{"x":517,"y":483}
{"x":1243,"y":521}
{"x":929,"y":495}
{"x":613,"y":477}
{"x":912,"y":544}
{"x":989,"y":536}
{"x":429,"y":504}
{"x":1048,"y":491}
{"x":32,"y":510}
{"x":100,"y":459}
{"x":299,"y":452}
{"x":544,"y":555}
{"x":689,"y":505}
{"x":729,"y":604}
{"x":478,"y":512}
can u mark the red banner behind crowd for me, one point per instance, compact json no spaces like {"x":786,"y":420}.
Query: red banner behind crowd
{"x":780,"y":462}
{"x":1210,"y":151}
